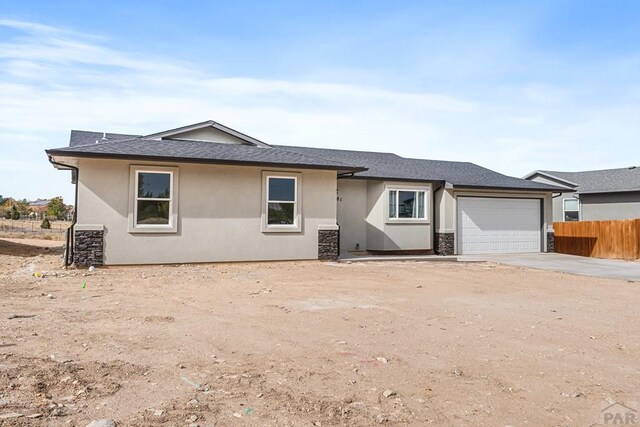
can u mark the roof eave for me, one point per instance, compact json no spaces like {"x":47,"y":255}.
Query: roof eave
{"x":608,"y":191}
{"x":64,"y":153}
{"x":508,"y":188}
{"x":382,"y":178}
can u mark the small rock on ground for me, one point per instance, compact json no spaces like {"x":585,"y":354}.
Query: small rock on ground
{"x":388,"y":393}
{"x":102,"y":423}
{"x":10,"y":415}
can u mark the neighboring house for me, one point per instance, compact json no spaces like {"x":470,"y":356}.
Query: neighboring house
{"x":206,"y":192}
{"x":39,"y":208}
{"x":594,"y":195}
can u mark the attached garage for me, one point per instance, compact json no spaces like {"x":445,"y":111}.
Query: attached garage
{"x":499,"y":225}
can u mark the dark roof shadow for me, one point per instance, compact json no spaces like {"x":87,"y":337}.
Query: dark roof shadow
{"x":28,"y":250}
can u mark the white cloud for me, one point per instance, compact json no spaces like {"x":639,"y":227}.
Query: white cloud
{"x":53,"y":80}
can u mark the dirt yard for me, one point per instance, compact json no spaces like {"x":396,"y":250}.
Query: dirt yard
{"x":311,"y":343}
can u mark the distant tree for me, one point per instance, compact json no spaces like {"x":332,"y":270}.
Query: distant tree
{"x":22,"y":206}
{"x":14,"y":209}
{"x":56,"y":208}
{"x":14,"y":213}
{"x":45,"y":223}
{"x":2,"y":200}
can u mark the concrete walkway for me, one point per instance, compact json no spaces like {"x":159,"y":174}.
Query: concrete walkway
{"x":609,"y":268}
{"x":368,"y":258}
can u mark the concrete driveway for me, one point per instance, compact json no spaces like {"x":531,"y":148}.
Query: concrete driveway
{"x":609,"y":268}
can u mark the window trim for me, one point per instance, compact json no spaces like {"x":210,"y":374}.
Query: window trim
{"x":564,"y":210}
{"x":400,"y":220}
{"x":297,"y":203}
{"x":172,"y":226}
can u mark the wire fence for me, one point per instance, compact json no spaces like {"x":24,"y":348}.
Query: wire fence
{"x":31,"y":228}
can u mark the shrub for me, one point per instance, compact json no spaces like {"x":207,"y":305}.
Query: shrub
{"x":45,"y":223}
{"x":56,"y":208}
{"x":15,"y":213}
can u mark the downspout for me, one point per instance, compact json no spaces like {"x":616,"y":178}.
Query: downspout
{"x":68,"y":253}
{"x":433,"y":223}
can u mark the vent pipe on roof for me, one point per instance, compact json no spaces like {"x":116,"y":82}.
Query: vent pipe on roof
{"x":104,"y":136}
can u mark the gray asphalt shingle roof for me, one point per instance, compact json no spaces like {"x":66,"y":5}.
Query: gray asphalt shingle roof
{"x":392,"y":166}
{"x":602,"y":181}
{"x":83,"y":137}
{"x":367,"y":164}
{"x":187,"y":150}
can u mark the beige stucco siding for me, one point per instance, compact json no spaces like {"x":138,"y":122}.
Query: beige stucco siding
{"x":610,"y":206}
{"x":386,"y":235}
{"x":219,"y":214}
{"x":209,"y":134}
{"x":444,"y":220}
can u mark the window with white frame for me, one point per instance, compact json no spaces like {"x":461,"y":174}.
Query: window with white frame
{"x":281,"y":201}
{"x":407,"y":204}
{"x":153,"y":199}
{"x":571,"y":209}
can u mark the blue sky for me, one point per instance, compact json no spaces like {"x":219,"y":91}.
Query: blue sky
{"x":513,"y":86}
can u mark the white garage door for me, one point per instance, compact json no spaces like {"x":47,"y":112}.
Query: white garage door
{"x":491,"y":225}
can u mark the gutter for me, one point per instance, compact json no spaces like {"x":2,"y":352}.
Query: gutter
{"x":68,"y":253}
{"x":346,"y":175}
{"x":69,"y":153}
{"x":539,"y":189}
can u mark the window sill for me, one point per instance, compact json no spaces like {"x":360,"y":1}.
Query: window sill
{"x":153,"y":230}
{"x":406,"y":221}
{"x":292,"y":229}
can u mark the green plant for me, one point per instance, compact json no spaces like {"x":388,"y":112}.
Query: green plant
{"x":15,"y":213}
{"x":45,"y":223}
{"x":56,"y":208}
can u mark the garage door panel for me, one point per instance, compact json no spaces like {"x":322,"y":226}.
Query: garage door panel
{"x":494,"y":225}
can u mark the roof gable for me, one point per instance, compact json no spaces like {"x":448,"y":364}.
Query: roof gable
{"x":601,"y":181}
{"x":545,"y":177}
{"x":208,"y":131}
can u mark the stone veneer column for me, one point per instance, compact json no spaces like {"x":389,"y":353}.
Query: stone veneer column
{"x":328,"y":242}
{"x":88,"y":246}
{"x":445,"y":244}
{"x":551,"y":241}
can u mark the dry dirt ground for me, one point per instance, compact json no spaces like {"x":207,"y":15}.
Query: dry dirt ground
{"x":311,"y":343}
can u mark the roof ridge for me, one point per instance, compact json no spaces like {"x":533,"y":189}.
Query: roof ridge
{"x":279,"y":147}
{"x":337,"y":149}
{"x":444,"y":161}
{"x":93,"y":144}
{"x":594,"y":170}
{"x":100,"y":131}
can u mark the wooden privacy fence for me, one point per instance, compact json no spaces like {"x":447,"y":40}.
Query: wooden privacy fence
{"x":618,"y":239}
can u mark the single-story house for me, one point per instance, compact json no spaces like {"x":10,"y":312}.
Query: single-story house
{"x":39,"y":208}
{"x":593,"y":195}
{"x":206,"y":192}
